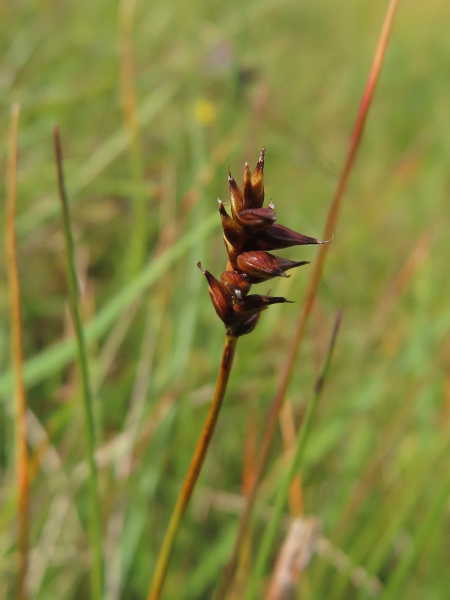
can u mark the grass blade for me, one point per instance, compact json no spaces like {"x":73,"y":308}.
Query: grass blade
{"x":52,"y":359}
{"x":95,"y":527}
{"x":283,"y":491}
{"x":432,"y":519}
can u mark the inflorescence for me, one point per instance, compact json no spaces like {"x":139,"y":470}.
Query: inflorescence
{"x":248,"y":235}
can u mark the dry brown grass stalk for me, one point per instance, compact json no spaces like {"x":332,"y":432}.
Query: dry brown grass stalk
{"x":20,"y":398}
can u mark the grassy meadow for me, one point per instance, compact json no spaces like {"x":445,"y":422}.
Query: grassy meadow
{"x":154,"y":100}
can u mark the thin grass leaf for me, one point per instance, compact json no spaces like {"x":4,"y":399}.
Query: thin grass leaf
{"x":283,"y":491}
{"x":105,"y":154}
{"x":53,"y":359}
{"x":95,"y":519}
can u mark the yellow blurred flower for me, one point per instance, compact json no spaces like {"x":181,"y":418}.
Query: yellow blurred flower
{"x":205,"y":112}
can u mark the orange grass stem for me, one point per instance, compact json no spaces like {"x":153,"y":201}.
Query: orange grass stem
{"x":313,"y":284}
{"x":336,"y":203}
{"x":136,"y":252}
{"x":194,"y":468}
{"x":20,"y":398}
{"x":127,"y":77}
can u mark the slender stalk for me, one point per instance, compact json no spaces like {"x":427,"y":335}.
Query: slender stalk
{"x":283,"y":491}
{"x":20,"y":398}
{"x":95,"y":529}
{"x":194,"y":468}
{"x":136,"y":253}
{"x":313,"y":284}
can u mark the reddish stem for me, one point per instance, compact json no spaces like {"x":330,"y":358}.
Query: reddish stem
{"x":310,"y":296}
{"x":194,"y":469}
{"x":17,"y":358}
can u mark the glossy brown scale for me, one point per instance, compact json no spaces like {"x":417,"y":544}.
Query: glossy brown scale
{"x":260,"y":266}
{"x":256,"y":219}
{"x":236,"y":285}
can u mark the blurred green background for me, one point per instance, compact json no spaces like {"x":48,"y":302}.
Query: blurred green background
{"x":212,"y":83}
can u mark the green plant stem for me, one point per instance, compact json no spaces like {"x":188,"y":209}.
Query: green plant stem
{"x":283,"y":491}
{"x":194,"y":468}
{"x":95,"y":529}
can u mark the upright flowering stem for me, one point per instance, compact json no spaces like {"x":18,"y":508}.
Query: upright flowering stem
{"x":20,"y":398}
{"x":194,"y":468}
{"x":248,"y":234}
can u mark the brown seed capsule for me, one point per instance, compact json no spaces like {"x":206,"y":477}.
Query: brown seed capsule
{"x":237,"y":199}
{"x":244,"y":327}
{"x":231,"y":228}
{"x":221,"y":299}
{"x":258,"y":180}
{"x":257,"y":219}
{"x":285,"y":264}
{"x":236,"y":285}
{"x":247,"y":188}
{"x":260,"y":266}
{"x":254,"y":304}
{"x":276,"y":237}
{"x":253,"y":187}
{"x":233,"y":253}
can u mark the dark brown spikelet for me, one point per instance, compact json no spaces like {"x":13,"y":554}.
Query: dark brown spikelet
{"x":248,"y":235}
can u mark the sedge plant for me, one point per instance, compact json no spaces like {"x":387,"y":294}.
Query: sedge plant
{"x":159,"y":89}
{"x":249,"y":233}
{"x":310,"y":296}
